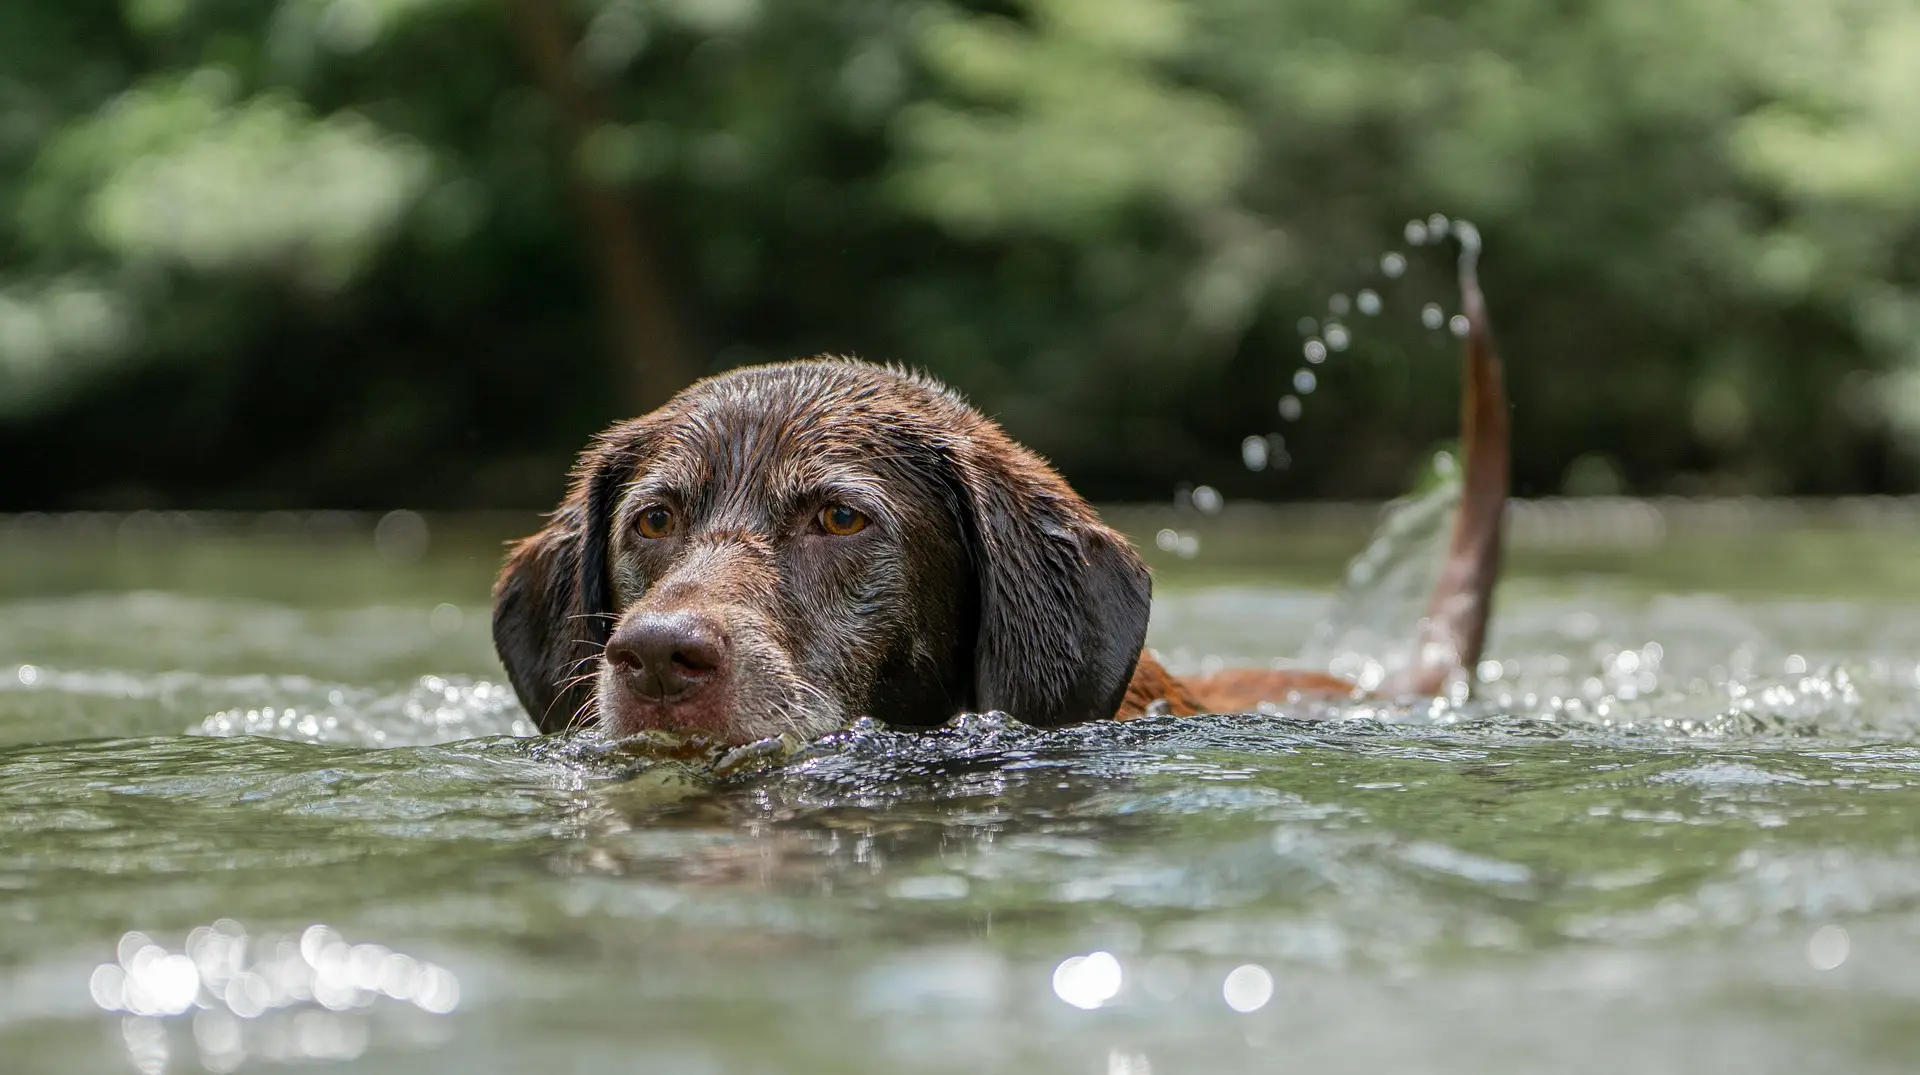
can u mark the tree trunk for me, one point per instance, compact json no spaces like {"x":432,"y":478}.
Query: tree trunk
{"x":651,"y":346}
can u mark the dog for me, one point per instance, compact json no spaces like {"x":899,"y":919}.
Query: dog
{"x":782,"y":549}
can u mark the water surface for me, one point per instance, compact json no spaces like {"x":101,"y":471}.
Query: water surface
{"x":265,"y":801}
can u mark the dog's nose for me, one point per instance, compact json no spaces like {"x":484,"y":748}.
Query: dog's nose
{"x":669,"y":656}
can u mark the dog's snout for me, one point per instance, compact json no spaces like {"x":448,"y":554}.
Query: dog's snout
{"x":668,"y":657}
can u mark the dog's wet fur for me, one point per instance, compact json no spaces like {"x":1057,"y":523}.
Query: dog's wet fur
{"x":784,"y":548}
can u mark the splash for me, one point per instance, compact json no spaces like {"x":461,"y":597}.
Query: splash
{"x":1385,"y":587}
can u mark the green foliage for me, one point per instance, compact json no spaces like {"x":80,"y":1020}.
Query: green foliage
{"x":1075,"y":123}
{"x":1105,"y":219}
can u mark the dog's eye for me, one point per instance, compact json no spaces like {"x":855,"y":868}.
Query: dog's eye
{"x":840,"y":520}
{"x":655,"y":522}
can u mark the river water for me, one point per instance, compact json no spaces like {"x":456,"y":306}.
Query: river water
{"x":265,"y":800}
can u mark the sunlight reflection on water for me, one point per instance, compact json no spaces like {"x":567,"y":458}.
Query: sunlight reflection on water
{"x":1248,"y":988}
{"x":295,"y":997}
{"x":1088,"y":981}
{"x":436,"y":710}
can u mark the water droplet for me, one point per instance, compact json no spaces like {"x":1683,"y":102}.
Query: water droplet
{"x":1208,"y":500}
{"x":1166,"y":540}
{"x":1368,"y":301}
{"x":1340,"y":304}
{"x":1254,"y":452}
{"x":1458,"y":325}
{"x":1338,"y":337}
{"x":1392,"y":264}
{"x":1290,"y":408}
{"x":1431,"y":315}
{"x":445,"y":619}
{"x":1304,"y":382}
{"x":1416,"y":233}
{"x":1315,"y":351}
{"x":1307,"y":326}
{"x":1468,"y":235}
{"x":1277,"y":456}
{"x":1436,"y":227}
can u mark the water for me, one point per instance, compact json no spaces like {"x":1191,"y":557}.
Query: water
{"x":1677,"y":833}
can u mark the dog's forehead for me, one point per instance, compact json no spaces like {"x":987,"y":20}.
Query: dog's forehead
{"x":809,"y":395}
{"x":790,"y":427}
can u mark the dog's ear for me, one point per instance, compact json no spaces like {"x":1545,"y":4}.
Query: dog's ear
{"x":553,"y":603}
{"x":1063,"y":598}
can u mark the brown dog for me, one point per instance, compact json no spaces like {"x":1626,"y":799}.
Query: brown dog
{"x":785,"y":548}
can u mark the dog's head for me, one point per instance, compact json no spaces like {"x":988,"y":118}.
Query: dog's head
{"x":784,"y":548}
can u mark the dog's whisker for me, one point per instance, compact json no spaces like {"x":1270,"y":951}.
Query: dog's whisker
{"x":569,"y":684}
{"x":579,"y":717}
{"x":585,"y":677}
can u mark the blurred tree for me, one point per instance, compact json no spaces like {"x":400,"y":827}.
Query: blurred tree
{"x":360,"y":251}
{"x":633,"y":289}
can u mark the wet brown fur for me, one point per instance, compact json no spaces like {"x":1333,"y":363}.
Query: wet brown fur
{"x":983,"y":582}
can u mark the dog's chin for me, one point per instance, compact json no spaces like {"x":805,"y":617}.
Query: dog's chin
{"x":710,"y":717}
{"x":722,"y":716}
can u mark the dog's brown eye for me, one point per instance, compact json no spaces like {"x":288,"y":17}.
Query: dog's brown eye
{"x":656,"y":522}
{"x":840,"y":520}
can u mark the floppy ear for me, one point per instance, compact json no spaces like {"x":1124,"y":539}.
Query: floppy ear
{"x":553,"y":603}
{"x":1063,"y":598}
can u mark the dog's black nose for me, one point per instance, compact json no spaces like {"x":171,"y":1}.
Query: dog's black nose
{"x":668,"y":656}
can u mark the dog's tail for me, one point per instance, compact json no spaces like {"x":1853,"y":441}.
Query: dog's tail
{"x":1450,"y":638}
